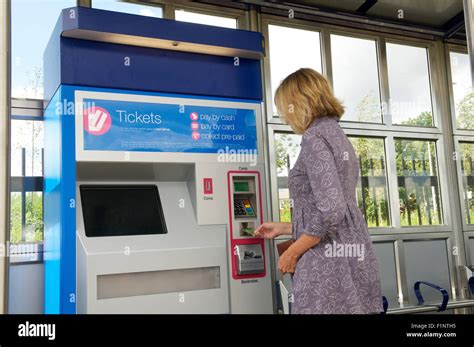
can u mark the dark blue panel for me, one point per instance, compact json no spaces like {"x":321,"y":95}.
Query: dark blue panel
{"x":98,"y":64}
{"x":122,"y":23}
{"x":52,"y":63}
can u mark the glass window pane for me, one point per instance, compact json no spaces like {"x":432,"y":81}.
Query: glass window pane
{"x":467,"y":172}
{"x":26,"y":218}
{"x":291,"y":49}
{"x":287,"y":149}
{"x":27,"y":142}
{"x":371,"y":191}
{"x":200,"y":18}
{"x":409,"y":84}
{"x":372,"y":177}
{"x":15,"y":217}
{"x":355,"y":78}
{"x":120,"y":6}
{"x":462,"y":90}
{"x":32,"y":25}
{"x":418,"y":183}
{"x":34,"y":217}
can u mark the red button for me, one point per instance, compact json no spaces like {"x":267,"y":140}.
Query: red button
{"x":207,"y":183}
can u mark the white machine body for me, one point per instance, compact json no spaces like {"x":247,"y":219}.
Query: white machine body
{"x":207,"y":261}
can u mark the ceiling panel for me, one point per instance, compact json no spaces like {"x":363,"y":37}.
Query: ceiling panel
{"x":426,"y":12}
{"x":432,"y":13}
{"x":439,"y":15}
{"x":341,"y":5}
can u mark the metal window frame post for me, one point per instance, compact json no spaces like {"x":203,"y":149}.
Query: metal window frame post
{"x":5,"y":100}
{"x":469,"y":25}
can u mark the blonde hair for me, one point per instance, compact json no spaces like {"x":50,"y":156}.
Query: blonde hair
{"x":303,"y":96}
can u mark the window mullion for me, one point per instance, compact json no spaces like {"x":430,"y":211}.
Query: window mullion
{"x":383,"y":81}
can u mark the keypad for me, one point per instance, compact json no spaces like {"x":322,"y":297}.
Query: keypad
{"x":243,"y":208}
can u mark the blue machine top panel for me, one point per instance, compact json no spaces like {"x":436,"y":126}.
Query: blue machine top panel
{"x":94,"y":63}
{"x":157,"y":28}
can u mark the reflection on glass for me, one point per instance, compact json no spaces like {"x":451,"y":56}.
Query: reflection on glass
{"x":200,"y":18}
{"x":291,"y":49}
{"x":409,"y":85}
{"x":467,"y":173}
{"x":27,"y":142}
{"x":462,"y":90}
{"x":371,"y":190}
{"x":26,"y":217}
{"x":125,"y":7}
{"x":418,"y":184}
{"x":287,"y":149}
{"x":32,"y":25}
{"x":355,"y":78}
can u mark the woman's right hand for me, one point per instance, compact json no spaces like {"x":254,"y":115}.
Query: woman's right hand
{"x":271,"y":230}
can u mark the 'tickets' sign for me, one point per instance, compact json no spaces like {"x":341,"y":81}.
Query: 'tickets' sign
{"x":114,"y":125}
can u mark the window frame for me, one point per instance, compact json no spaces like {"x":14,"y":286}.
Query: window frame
{"x":325,"y":30}
{"x":392,"y":178}
{"x":169,"y":8}
{"x":26,"y":110}
{"x":452,"y":104}
{"x":136,"y":2}
{"x":380,"y":72}
{"x":268,"y":91}
{"x":465,"y":139}
{"x":392,"y":209}
{"x":459,"y":135}
{"x":429,"y":59}
{"x":446,"y":224}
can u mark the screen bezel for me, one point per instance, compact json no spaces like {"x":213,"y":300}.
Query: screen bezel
{"x":125,"y":186}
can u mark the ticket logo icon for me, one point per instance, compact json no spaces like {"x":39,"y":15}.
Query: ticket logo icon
{"x":97,"y":120}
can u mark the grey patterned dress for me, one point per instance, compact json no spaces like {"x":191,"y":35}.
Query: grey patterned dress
{"x":340,"y":274}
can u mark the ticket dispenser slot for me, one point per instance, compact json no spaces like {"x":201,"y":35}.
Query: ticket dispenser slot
{"x":249,"y":259}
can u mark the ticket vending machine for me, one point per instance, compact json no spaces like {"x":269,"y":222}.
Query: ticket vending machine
{"x":154,"y":167}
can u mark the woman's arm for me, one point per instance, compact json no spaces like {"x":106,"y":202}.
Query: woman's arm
{"x":330,"y":205}
{"x":289,"y":259}
{"x":271,"y":230}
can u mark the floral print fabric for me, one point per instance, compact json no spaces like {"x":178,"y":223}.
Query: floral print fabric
{"x":340,"y":274}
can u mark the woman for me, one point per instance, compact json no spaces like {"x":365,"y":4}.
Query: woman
{"x":334,"y":266}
